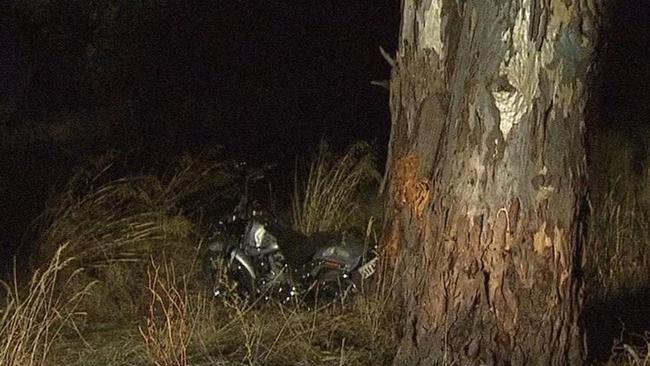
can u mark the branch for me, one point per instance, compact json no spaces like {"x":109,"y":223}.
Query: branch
{"x":387,"y":57}
{"x":382,"y":83}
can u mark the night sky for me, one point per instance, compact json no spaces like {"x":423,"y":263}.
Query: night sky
{"x":260,"y":77}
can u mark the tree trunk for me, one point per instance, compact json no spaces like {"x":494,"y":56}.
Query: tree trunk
{"x":487,"y":179}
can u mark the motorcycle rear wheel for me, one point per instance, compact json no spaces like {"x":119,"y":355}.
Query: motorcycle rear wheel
{"x":333,"y":285}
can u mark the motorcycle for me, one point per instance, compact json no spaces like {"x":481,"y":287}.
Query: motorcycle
{"x":254,"y":257}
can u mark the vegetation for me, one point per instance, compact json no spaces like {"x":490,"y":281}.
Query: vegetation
{"x":137,"y":240}
{"x":117,"y":280}
{"x":34,"y":318}
{"x":328,"y":198}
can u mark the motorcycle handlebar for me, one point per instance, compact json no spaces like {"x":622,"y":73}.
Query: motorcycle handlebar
{"x":259,"y":173}
{"x":249,"y":172}
{"x":249,"y":175}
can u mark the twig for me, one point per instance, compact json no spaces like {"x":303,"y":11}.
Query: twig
{"x":387,"y":57}
{"x":381,"y":83}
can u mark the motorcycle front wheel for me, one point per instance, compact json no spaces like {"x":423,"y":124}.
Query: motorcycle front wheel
{"x":226,"y":278}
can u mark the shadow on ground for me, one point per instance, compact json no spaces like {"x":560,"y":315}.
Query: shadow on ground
{"x":623,"y":320}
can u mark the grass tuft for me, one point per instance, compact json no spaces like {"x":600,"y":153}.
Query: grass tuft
{"x":617,"y":251}
{"x":114,"y":225}
{"x":33,"y":320}
{"x":169,"y":319}
{"x":328,"y":198}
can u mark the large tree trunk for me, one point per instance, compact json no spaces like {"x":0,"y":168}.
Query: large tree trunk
{"x":487,"y":178}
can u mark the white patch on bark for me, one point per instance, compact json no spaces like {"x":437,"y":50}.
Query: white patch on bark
{"x":511,"y":109}
{"x":431,"y":30}
{"x":520,"y":66}
{"x":543,"y":171}
{"x":408,"y":18}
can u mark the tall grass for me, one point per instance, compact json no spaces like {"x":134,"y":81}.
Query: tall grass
{"x":34,"y":318}
{"x":106,"y":219}
{"x":618,"y":231}
{"x":169,"y":318}
{"x":617,"y":250}
{"x":618,"y":266}
{"x":114,"y":225}
{"x":624,"y":354}
{"x":273,"y":334}
{"x":327,"y":199}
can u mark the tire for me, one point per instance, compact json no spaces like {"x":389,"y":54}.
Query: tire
{"x":332,"y":286}
{"x":211,"y":272}
{"x":224,"y":278}
{"x":242,"y":281}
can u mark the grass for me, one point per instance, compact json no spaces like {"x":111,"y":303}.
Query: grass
{"x":328,"y":198}
{"x":169,"y":322}
{"x":136,"y":239}
{"x":234,"y":334}
{"x":626,"y":354}
{"x":34,"y":318}
{"x":114,"y":225}
{"x":619,"y":237}
{"x":273,"y":334}
{"x":185,"y":327}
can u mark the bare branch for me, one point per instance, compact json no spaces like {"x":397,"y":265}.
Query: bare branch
{"x":387,"y":57}
{"x":382,"y":83}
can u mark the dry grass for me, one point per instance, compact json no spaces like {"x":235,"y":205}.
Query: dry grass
{"x":183,"y":327}
{"x":112,"y":226}
{"x":116,"y":346}
{"x":234,"y":333}
{"x":169,"y":318}
{"x":142,"y":314}
{"x":277,"y":335}
{"x":625,"y":354}
{"x":619,"y":238}
{"x":618,"y":230}
{"x":34,"y":318}
{"x":328,"y":198}
{"x":116,"y":220}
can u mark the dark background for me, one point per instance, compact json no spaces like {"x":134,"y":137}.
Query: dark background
{"x":622,"y":83}
{"x":197,"y":72}
{"x":264,"y":79}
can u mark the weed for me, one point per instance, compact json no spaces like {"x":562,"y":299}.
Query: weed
{"x":33,"y":320}
{"x":169,"y":319}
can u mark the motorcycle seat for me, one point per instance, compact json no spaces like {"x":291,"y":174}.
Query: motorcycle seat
{"x":298,"y":249}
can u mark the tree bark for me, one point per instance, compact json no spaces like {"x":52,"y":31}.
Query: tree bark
{"x":487,"y":179}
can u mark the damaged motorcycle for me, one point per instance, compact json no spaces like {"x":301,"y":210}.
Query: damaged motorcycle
{"x":252,"y":256}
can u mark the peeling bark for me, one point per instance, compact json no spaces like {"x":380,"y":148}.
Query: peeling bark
{"x":487,"y":179}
